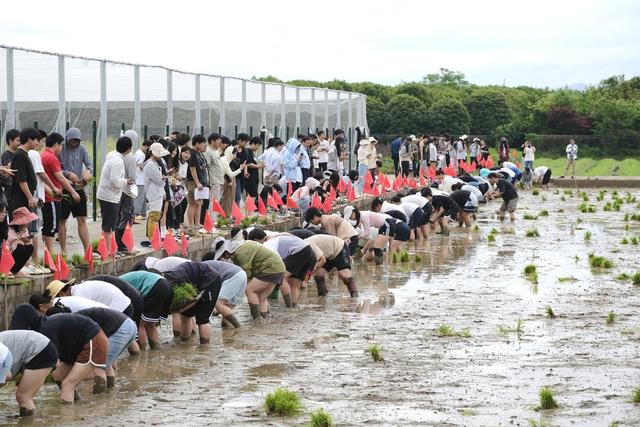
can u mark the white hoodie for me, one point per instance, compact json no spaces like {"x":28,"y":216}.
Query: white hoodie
{"x":112,"y":178}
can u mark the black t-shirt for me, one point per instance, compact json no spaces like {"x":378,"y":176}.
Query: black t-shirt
{"x":24,"y":173}
{"x":109,"y":320}
{"x":6,"y":181}
{"x":251,"y":160}
{"x":69,"y":333}
{"x":197,"y":273}
{"x":507,"y":189}
{"x":241,"y":156}
{"x":198,"y":161}
{"x":460,"y":197}
{"x":444,"y":202}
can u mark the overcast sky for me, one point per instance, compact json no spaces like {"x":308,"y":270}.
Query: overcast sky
{"x":537,"y":43}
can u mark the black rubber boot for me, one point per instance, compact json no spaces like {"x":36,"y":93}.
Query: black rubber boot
{"x":24,"y":412}
{"x":255,"y":310}
{"x":111,"y":381}
{"x":204,"y":340}
{"x":287,"y":300}
{"x":231,"y":319}
{"x":321,"y":283}
{"x":99,"y":385}
{"x":264,"y":314}
{"x":351,"y":286}
{"x":379,"y":259}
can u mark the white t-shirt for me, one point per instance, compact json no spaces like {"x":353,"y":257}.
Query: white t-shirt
{"x":34,"y":156}
{"x":529,"y":154}
{"x":416,"y":199}
{"x":103,"y":292}
{"x":76,"y":303}
{"x":473,"y":190}
{"x":139,"y":166}
{"x":448,"y":181}
{"x":540,"y":171}
{"x":323,"y":156}
{"x":164,"y":264}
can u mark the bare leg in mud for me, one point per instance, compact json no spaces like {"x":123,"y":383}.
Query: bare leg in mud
{"x":69,"y":376}
{"x":295,"y":285}
{"x":285,"y":290}
{"x":257,"y":292}
{"x":149,"y":333}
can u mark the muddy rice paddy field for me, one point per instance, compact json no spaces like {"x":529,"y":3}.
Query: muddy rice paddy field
{"x":467,"y":337}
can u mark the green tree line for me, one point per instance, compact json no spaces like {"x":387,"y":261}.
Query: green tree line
{"x":445,"y":102}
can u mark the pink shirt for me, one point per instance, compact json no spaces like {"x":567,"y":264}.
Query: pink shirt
{"x":372,"y":219}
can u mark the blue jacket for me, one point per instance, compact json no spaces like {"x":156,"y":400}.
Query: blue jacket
{"x":395,"y":147}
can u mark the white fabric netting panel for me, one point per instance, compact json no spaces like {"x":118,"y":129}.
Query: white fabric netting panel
{"x":253,"y":108}
{"x":233,"y":106}
{"x":153,"y":100}
{"x":273,"y":99}
{"x":120,"y":96}
{"x":210,"y":103}
{"x":82,"y":94}
{"x":36,"y":90}
{"x":306,"y":111}
{"x":3,"y":92}
{"x":290,"y":125}
{"x":184,"y":103}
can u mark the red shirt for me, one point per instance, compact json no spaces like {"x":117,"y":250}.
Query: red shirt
{"x":51,"y":165}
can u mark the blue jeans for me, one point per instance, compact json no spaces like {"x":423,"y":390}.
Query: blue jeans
{"x":528,"y":164}
{"x":119,"y":341}
{"x":362,"y":170}
{"x":232,"y":289}
{"x":238,"y":189}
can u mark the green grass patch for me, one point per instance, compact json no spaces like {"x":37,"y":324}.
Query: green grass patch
{"x":532,"y":232}
{"x":320,"y":418}
{"x":529,"y":269}
{"x":448,"y":331}
{"x":544,"y":212}
{"x":549,"y":312}
{"x":599,"y":262}
{"x":282,"y":402}
{"x":529,"y":217}
{"x":547,"y":400}
{"x":635,"y":395}
{"x":491,"y":238}
{"x":635,"y":279}
{"x":535,"y":192}
{"x":611,"y":318}
{"x":375,"y":352}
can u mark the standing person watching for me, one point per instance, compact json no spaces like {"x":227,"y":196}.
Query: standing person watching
{"x":126,"y":211}
{"x":323,"y":151}
{"x":529,"y":154}
{"x":214,"y":166}
{"x":24,"y":179}
{"x":572,"y":156}
{"x":140,"y":202}
{"x":112,"y":181}
{"x":74,"y":158}
{"x":197,"y":180}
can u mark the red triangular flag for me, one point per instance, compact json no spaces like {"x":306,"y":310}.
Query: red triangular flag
{"x":114,"y":245}
{"x":127,"y":238}
{"x":156,"y":242}
{"x":102,"y":247}
{"x":376,"y":191}
{"x":7,"y":260}
{"x":289,"y":188}
{"x":276,"y":198}
{"x":423,"y":182}
{"x":250,"y":205}
{"x":63,"y":268}
{"x":185,"y":244}
{"x":316,"y":202}
{"x":518,"y":165}
{"x":431,"y":174}
{"x":208,"y":222}
{"x":262,"y":209}
{"x":236,"y":213}
{"x":88,"y":256}
{"x":397,"y":183}
{"x":271,"y":202}
{"x":489,"y":162}
{"x":368,"y":179}
{"x":48,"y":260}
{"x":215,"y":206}
{"x":56,"y":272}
{"x":412,"y":183}
{"x":368,"y":189}
{"x":479,"y":156}
{"x":326,"y":206}
{"x":170,"y":244}
{"x":332,"y":193}
{"x":291,"y":204}
{"x":351,"y":193}
{"x":342,"y":187}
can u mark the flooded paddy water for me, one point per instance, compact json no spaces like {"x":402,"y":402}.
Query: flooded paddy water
{"x":501,"y":350}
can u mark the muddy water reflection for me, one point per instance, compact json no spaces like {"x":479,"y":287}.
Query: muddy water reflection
{"x":464,"y":281}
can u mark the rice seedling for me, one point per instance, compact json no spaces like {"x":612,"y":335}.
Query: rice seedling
{"x":375,"y":352}
{"x":544,"y":212}
{"x":626,"y":217}
{"x":544,"y":199}
{"x":600,"y":196}
{"x":282,"y":402}
{"x":78,"y":260}
{"x":556,"y":191}
{"x":529,"y":269}
{"x":611,"y":317}
{"x":535,"y":192}
{"x":491,"y":238}
{"x":614,"y":424}
{"x":599,"y":261}
{"x":635,"y":217}
{"x":394,"y":258}
{"x":541,"y":423}
{"x":518,"y":329}
{"x":567,"y":279}
{"x":529,"y":217}
{"x":607,"y":207}
{"x":183,"y":294}
{"x":563,"y":199}
{"x":560,"y":210}
{"x":549,"y":312}
{"x":494,"y":231}
{"x":634,"y":240}
{"x":320,"y":418}
{"x":585,"y":198}
{"x":629,"y":198}
{"x":448,"y":331}
{"x":587,"y":236}
{"x":404,"y":256}
{"x":624,"y":241}
{"x":576,"y":258}
{"x":476,"y":227}
{"x":626,"y":227}
{"x":635,"y":395}
{"x":635,"y":279}
{"x":584,"y":208}
{"x":417,"y":258}
{"x":614,"y":194}
{"x":623,"y":277}
{"x":532,"y":232}
{"x":568,"y":193}
{"x":547,"y":400}
{"x":519,"y":326}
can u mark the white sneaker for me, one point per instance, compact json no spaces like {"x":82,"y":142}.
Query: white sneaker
{"x":31,"y":270}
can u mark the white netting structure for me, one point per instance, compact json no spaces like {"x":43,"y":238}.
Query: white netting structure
{"x":54,"y":92}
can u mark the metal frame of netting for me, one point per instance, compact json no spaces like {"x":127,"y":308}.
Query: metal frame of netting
{"x":54,"y":92}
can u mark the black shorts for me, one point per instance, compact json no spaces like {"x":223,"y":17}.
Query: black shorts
{"x":157,"y":303}
{"x":109,"y":212}
{"x":271,"y":278}
{"x":427,"y":210}
{"x":418,"y":218}
{"x":204,"y":307}
{"x":50,"y":218}
{"x":353,"y":244}
{"x":389,"y":227}
{"x":400,"y":216}
{"x":301,"y":263}
{"x":402,"y":232}
{"x":483,"y":187}
{"x":341,"y":262}
{"x":47,"y":358}
{"x":546,"y":177}
{"x":77,"y":209}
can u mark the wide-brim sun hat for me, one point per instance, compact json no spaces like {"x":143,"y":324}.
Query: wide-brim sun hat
{"x":56,"y":286}
{"x":158,"y":150}
{"x":22,"y":216}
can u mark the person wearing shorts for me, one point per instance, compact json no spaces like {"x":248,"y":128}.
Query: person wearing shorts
{"x":95,"y":290}
{"x":80,"y":343}
{"x":157,"y":295}
{"x":335,"y":252}
{"x":542,"y":175}
{"x":33,"y":356}
{"x":468,"y":203}
{"x":509,"y":194}
{"x":264,"y":267}
{"x":234,"y":284}
{"x":334,"y":225}
{"x":298,"y":257}
{"x":443,"y":207}
{"x":208,"y":283}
